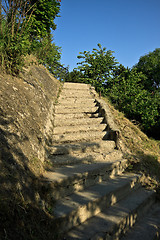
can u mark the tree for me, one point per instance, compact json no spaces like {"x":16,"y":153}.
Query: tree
{"x":14,"y":34}
{"x":149,"y":65}
{"x":129,"y":95}
{"x":97,"y":66}
{"x":43,"y":18}
{"x":47,"y":52}
{"x":74,"y":76}
{"x":25,"y":27}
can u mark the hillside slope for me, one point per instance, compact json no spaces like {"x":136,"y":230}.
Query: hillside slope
{"x":26,"y":126}
{"x":142,"y":152}
{"x":26,"y":114}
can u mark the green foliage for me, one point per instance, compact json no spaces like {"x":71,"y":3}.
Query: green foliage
{"x":135,"y":92}
{"x":74,"y":76}
{"x":150,"y":66}
{"x":49,"y":55}
{"x":25,"y":27}
{"x":128,"y":94}
{"x":47,"y":52}
{"x":14,"y":35}
{"x":59,"y":71}
{"x":13,"y":50}
{"x":43,"y":18}
{"x":97,"y":67}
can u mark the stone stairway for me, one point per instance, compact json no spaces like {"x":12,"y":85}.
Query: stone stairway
{"x":94,"y":198}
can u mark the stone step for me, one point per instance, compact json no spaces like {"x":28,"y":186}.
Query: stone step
{"x":60,"y":160}
{"x":76,"y":115}
{"x":72,"y":109}
{"x":87,"y":136}
{"x":74,"y":101}
{"x":74,"y":104}
{"x":63,"y":181}
{"x":115,"y":221}
{"x":76,"y":96}
{"x":68,"y":85}
{"x":78,"y":90}
{"x":148,"y":228}
{"x":70,"y":120}
{"x":83,"y":180}
{"x":83,"y":147}
{"x":80,"y":128}
{"x":78,"y":207}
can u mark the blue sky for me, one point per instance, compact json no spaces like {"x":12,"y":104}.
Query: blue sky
{"x":130,"y":28}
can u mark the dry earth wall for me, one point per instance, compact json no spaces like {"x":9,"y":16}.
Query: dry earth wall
{"x":26,"y":113}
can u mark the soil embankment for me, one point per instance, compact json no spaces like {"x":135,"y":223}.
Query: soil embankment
{"x":26,"y":114}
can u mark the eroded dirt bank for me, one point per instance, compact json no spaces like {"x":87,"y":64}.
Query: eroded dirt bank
{"x":26,"y":113}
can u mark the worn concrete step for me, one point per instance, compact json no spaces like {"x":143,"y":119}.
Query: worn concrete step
{"x":72,"y":178}
{"x":78,"y":207}
{"x":60,"y":116}
{"x":83,"y":147}
{"x":74,"y":101}
{"x":76,"y":105}
{"x":60,"y":160}
{"x":72,"y":109}
{"x":68,"y":85}
{"x":87,"y":136}
{"x":76,"y":96}
{"x":80,"y":128}
{"x":148,"y":228}
{"x":72,"y":121}
{"x":79,"y":90}
{"x":115,"y":221}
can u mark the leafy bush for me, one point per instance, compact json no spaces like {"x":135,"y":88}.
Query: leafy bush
{"x":14,"y":36}
{"x":135,"y":92}
{"x":74,"y":76}
{"x":12,"y":52}
{"x":128,"y":94}
{"x":149,"y":65}
{"x":97,"y":67}
{"x":25,"y":27}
